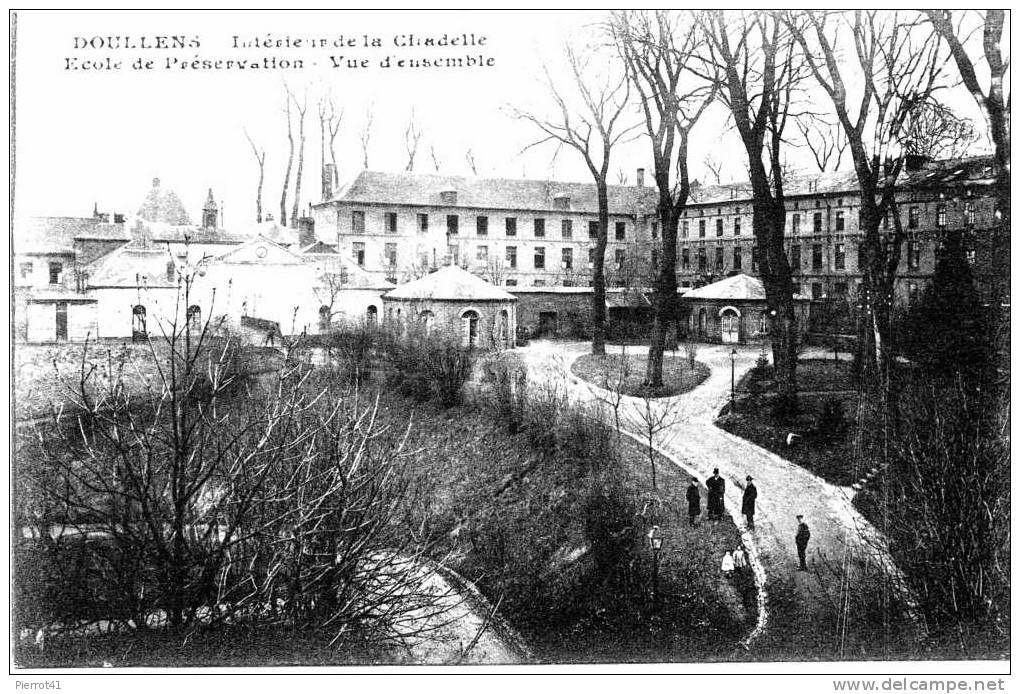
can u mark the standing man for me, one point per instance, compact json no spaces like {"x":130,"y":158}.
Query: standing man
{"x":802,"y":537}
{"x":747,"y":507}
{"x":716,"y":488}
{"x":693,"y":500}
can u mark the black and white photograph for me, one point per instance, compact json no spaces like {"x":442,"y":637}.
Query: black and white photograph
{"x":508,"y":342}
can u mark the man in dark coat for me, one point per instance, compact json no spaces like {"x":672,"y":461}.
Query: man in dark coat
{"x":802,"y":537}
{"x":693,"y":500}
{"x":716,"y":488}
{"x":747,"y":507}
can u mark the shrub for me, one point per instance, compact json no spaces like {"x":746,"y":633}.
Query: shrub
{"x":832,"y":424}
{"x":428,"y":365}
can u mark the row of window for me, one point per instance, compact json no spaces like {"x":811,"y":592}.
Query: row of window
{"x":26,"y":271}
{"x":913,"y":257}
{"x":482,"y":225}
{"x":482,"y":255}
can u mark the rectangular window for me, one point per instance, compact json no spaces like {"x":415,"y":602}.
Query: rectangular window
{"x":912,"y":293}
{"x":454,"y":250}
{"x":736,"y":226}
{"x":423,"y":223}
{"x":358,"y":250}
{"x":701,"y":228}
{"x":736,"y":258}
{"x":390,"y":253}
{"x":511,"y":257}
{"x":685,"y":259}
{"x":452,"y":225}
{"x":940,"y":216}
{"x":702,"y":260}
{"x":839,"y":289}
{"x":511,"y":282}
{"x":482,"y":253}
{"x":913,"y":217}
{"x":887,"y":219}
{"x":55,"y":270}
{"x":482,"y":225}
{"x":655,"y":259}
{"x":539,"y":228}
{"x":655,"y":230}
{"x":796,"y":223}
{"x":591,"y":257}
{"x":795,"y":257}
{"x":511,"y":226}
{"x":840,"y":256}
{"x":539,"y":257}
{"x":718,"y":258}
{"x":913,"y":255}
{"x":839,"y":220}
{"x":621,"y":231}
{"x":816,"y":256}
{"x":754,"y":259}
{"x":718,"y":227}
{"x":567,"y":258}
{"x":567,"y":228}
{"x":538,"y":283}
{"x":390,"y":221}
{"x":25,"y":270}
{"x":358,"y":222}
{"x":968,"y":213}
{"x":816,"y":222}
{"x":685,"y":229}
{"x":816,"y":290}
{"x":593,"y":230}
{"x":971,"y":256}
{"x":621,"y":257}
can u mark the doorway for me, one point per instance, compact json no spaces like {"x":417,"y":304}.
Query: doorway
{"x":730,"y":326}
{"x":470,"y":319}
{"x":61,"y":320}
{"x":547,"y":323}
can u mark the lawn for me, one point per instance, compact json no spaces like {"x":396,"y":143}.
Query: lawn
{"x":627,"y":372}
{"x":813,"y":375}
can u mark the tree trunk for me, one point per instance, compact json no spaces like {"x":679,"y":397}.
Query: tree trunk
{"x":598,"y":275}
{"x":286,"y":175}
{"x":258,"y":194}
{"x":664,"y":303}
{"x":300,"y":170}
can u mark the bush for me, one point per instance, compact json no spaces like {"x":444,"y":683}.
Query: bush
{"x":832,"y":424}
{"x":428,"y":365}
{"x":351,"y":345}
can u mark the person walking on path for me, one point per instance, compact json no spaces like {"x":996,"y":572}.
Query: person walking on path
{"x":693,"y":501}
{"x":747,"y":507}
{"x":716,"y":488}
{"x":727,"y":564}
{"x":802,"y":537}
{"x":739,"y":560}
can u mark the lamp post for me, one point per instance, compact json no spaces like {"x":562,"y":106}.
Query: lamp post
{"x":733,"y":380}
{"x":656,"y":543}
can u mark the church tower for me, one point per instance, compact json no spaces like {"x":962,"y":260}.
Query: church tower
{"x":210,"y":212}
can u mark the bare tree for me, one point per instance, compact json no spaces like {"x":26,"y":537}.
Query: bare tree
{"x":366,"y":135}
{"x":301,"y":107}
{"x":622,"y":178}
{"x":994,"y":102}
{"x":329,"y":126}
{"x":260,"y":158}
{"x":826,"y":142}
{"x":713,"y":164}
{"x":656,"y":414}
{"x":592,"y":128}
{"x":896,"y":73}
{"x":412,"y":136}
{"x":469,"y":156}
{"x":933,"y":130}
{"x":290,"y":157}
{"x":752,"y":57}
{"x":656,"y":49}
{"x":435,"y":157}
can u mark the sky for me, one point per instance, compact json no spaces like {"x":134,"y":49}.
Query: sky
{"x":99,"y":136}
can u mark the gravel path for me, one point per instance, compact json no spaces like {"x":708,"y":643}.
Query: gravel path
{"x":841,"y":539}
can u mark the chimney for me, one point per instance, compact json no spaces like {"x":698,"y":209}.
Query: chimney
{"x":641,"y":178}
{"x":327,"y":181}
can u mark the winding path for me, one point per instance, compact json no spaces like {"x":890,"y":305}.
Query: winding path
{"x":842,"y":541}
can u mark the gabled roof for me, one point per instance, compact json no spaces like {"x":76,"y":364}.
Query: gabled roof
{"x":319,"y":247}
{"x":57,"y":234}
{"x":450,"y":283}
{"x":493,"y":193}
{"x":736,"y":288}
{"x":130,"y":266}
{"x":276,"y":253}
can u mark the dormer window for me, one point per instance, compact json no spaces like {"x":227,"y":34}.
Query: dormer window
{"x":561,"y":202}
{"x":448,"y":197}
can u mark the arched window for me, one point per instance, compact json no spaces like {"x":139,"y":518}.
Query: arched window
{"x":729,"y":319}
{"x":372,"y":315}
{"x":138,"y":331}
{"x":195,"y":317}
{"x":504,"y":328}
{"x":469,"y":320}
{"x":702,"y":323}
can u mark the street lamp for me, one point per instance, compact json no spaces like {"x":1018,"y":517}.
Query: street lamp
{"x":733,"y":380}
{"x":656,"y":543}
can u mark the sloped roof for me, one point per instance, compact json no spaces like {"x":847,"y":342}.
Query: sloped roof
{"x":450,"y":283}
{"x":163,"y":205}
{"x":495,"y":193}
{"x":319,"y":247}
{"x":973,"y":170}
{"x":57,"y":234}
{"x":628,"y":298}
{"x":129,"y":265}
{"x":736,"y":288}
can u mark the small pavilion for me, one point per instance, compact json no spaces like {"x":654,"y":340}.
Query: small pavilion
{"x":734,"y":310}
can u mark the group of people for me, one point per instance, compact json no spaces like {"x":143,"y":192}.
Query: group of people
{"x":716,"y":509}
{"x":716,"y":506}
{"x":734,"y":561}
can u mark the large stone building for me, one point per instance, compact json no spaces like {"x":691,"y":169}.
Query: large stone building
{"x":539,"y":233}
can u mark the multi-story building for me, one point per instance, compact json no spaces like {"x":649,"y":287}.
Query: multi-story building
{"x":512,"y":232}
{"x":540,"y":233}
